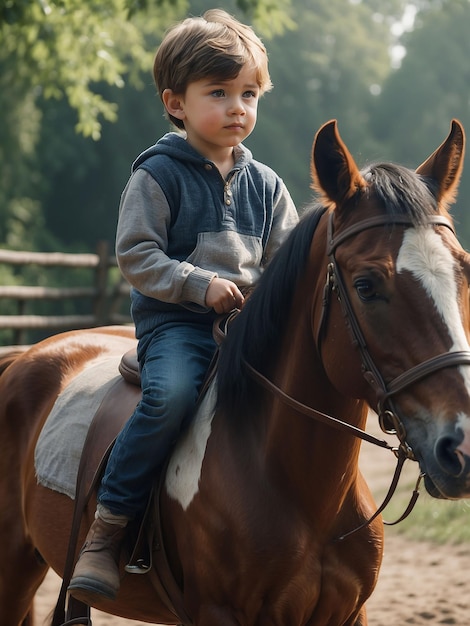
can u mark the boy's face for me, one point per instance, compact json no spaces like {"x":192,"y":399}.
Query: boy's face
{"x":220,"y":114}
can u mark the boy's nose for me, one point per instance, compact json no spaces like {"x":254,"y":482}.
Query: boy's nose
{"x":237,"y":108}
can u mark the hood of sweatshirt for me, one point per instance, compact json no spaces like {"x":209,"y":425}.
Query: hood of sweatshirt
{"x":175,"y":146}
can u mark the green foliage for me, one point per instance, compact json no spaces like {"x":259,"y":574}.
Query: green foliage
{"x":63,"y":67}
{"x":65,"y":48}
{"x":323,"y":69}
{"x":413,"y":113}
{"x":18,"y":135}
{"x":60,"y":51}
{"x":328,"y":58}
{"x":269,"y":18}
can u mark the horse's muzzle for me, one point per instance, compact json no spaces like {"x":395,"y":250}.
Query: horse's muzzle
{"x":448,"y":467}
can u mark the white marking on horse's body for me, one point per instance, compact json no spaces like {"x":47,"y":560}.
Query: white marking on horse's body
{"x":424,"y":254}
{"x":184,"y":469}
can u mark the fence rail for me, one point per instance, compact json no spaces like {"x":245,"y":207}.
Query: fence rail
{"x":107,"y":293}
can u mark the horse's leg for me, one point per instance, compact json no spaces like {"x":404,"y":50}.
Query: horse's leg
{"x":21,"y":568}
{"x":21,"y":573}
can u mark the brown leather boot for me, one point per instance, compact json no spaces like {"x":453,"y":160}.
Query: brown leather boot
{"x":97,"y":570}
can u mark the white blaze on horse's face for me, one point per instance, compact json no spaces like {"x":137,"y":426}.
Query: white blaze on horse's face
{"x":424,"y":254}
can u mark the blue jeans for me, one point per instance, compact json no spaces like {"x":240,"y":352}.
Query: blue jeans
{"x":174,"y":360}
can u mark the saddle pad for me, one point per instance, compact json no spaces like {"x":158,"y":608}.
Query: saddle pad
{"x":60,"y":444}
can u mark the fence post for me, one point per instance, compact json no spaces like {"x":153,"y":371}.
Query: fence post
{"x":19,"y":335}
{"x":101,"y":282}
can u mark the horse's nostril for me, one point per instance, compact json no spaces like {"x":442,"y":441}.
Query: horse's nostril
{"x":450,"y":459}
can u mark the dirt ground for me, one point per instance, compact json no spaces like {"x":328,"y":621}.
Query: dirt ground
{"x":420,"y":584}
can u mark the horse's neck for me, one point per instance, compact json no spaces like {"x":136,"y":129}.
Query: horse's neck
{"x":313,"y":456}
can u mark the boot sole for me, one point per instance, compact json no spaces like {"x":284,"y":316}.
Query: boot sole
{"x":89,"y":591}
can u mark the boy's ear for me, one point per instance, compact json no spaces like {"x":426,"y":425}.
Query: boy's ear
{"x":173,"y":104}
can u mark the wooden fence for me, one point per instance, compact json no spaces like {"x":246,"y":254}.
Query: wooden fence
{"x":105,"y":298}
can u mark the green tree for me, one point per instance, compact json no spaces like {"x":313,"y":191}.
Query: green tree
{"x":66,"y":47}
{"x":81,"y":53}
{"x":327,"y":59}
{"x":59,"y":50}
{"x":431,"y":87}
{"x":326,"y":68}
{"x":315,"y":77}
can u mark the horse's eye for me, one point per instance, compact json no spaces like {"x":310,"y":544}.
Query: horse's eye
{"x":366,"y":289}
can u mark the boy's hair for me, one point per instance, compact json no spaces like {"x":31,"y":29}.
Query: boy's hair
{"x":215,"y":45}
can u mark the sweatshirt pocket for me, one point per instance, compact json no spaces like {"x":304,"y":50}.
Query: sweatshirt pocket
{"x":231,"y":255}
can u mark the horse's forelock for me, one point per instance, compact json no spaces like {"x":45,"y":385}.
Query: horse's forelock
{"x":401,"y":191}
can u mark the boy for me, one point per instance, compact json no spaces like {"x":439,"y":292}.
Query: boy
{"x":199,"y":218}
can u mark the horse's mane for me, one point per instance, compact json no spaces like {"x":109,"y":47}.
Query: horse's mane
{"x":254,"y":336}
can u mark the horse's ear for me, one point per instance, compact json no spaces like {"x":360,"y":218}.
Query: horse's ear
{"x":445,"y":165}
{"x":335,"y":174}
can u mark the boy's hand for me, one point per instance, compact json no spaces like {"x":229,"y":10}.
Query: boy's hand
{"x":223,"y":296}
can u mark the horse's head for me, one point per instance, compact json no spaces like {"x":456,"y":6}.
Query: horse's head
{"x":402,"y":282}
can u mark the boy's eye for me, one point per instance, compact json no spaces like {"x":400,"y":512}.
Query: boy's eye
{"x":218,"y":93}
{"x":250,"y":94}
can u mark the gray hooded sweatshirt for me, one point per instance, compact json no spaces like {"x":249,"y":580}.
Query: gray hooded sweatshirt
{"x":181,"y":224}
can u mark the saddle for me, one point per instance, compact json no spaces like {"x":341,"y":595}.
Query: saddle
{"x":148,"y":554}
{"x":147,"y":549}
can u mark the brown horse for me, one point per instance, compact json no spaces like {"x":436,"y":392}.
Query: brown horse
{"x":366,"y":305}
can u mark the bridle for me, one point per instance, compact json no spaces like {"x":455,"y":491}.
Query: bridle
{"x":387,"y":414}
{"x":388,"y":417}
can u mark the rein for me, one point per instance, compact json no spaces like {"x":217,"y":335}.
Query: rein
{"x":388,"y":418}
{"x":402,"y":452}
{"x":314,"y":413}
